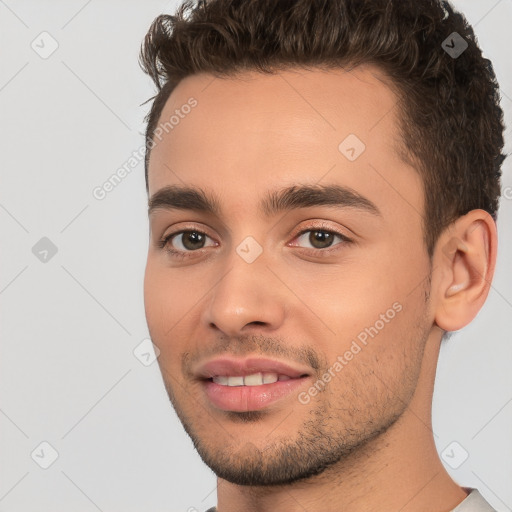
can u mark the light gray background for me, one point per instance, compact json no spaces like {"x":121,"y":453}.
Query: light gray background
{"x":69,"y":326}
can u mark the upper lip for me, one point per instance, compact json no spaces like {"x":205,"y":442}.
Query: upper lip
{"x":228,"y":366}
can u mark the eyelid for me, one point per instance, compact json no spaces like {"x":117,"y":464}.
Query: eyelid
{"x":322,"y":226}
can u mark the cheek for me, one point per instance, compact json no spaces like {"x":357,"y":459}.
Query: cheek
{"x":166,"y":302}
{"x":159,"y":302}
{"x":154,"y":297}
{"x":172,"y":306}
{"x":168,"y":293}
{"x":352,"y":298}
{"x":376,"y":362}
{"x":377,"y":306}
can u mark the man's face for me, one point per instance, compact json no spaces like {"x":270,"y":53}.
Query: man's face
{"x":338,"y":292}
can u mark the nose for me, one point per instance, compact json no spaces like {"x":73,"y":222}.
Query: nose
{"x":246,"y":295}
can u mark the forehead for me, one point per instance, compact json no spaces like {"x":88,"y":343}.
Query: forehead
{"x":257,"y":129}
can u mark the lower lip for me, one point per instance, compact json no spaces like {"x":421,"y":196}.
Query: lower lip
{"x":250,"y":398}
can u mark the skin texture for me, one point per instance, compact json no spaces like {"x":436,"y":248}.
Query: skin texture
{"x":365,"y":442}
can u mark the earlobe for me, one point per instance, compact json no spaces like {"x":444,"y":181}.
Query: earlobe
{"x":465,"y":259}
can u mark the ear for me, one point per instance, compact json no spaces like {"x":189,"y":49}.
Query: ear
{"x":464,"y":259}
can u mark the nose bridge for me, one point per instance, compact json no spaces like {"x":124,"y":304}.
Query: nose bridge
{"x":246,"y":291}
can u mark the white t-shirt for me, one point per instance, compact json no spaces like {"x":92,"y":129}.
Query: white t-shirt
{"x":474,"y":502}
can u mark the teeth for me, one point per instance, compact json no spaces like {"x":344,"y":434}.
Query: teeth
{"x":235,"y":381}
{"x":269,"y":378}
{"x":256,"y":379}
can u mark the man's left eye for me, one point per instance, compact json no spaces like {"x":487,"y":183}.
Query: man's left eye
{"x":321,"y":238}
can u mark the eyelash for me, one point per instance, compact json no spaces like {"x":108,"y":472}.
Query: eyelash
{"x":162,"y":244}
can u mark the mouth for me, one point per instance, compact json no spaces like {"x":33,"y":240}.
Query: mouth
{"x":249,"y":385}
{"x":241,"y":396}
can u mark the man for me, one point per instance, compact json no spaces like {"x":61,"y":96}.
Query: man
{"x":323,"y":181}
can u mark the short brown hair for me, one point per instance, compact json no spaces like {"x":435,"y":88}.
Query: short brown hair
{"x":451,"y":121}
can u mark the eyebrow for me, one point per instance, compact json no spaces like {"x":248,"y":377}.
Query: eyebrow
{"x":182,"y":197}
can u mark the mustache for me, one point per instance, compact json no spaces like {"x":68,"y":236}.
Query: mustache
{"x":253,"y":345}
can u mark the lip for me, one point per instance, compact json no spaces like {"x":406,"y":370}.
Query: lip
{"x":243,"y":367}
{"x":249,"y":398}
